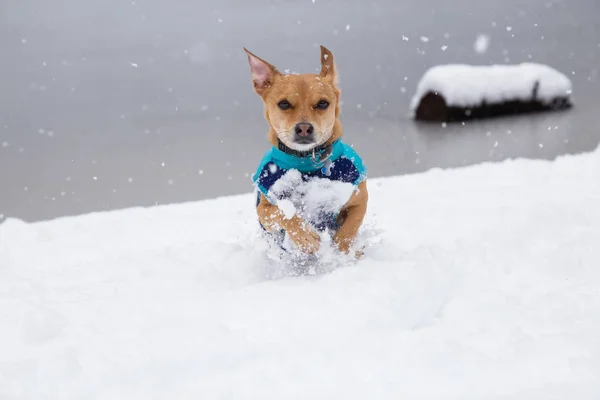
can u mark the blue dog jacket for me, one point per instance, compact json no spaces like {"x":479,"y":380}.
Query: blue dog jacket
{"x":343,"y":165}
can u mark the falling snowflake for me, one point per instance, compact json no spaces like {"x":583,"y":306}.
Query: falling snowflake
{"x":424,"y":39}
{"x":444,"y":47}
{"x":481,"y":44}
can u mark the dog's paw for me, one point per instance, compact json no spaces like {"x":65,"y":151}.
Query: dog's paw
{"x":344,"y":245}
{"x":306,"y":240}
{"x":359,"y":253}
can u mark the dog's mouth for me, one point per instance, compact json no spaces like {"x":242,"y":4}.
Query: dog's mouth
{"x":304,"y":140}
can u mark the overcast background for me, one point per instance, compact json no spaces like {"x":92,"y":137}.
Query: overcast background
{"x":108,"y":104}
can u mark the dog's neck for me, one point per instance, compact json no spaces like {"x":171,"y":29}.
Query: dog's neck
{"x":304,"y":153}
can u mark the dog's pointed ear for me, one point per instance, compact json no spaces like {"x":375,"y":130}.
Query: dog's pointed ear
{"x":263,"y":73}
{"x":328,"y":65}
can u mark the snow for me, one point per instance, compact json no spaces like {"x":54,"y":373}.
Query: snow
{"x":482,"y":42}
{"x":483,"y":284}
{"x":468,"y":85}
{"x":287,"y":207}
{"x":313,"y":198}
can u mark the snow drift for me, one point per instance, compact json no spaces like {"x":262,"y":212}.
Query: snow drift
{"x":484,"y":284}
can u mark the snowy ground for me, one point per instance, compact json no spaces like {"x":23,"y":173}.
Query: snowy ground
{"x":485,"y":285}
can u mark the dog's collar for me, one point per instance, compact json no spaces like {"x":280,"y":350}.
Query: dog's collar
{"x":322,"y":157}
{"x":305,"y":153}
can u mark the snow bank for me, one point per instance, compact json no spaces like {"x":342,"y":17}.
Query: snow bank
{"x":484,"y":285}
{"x":468,"y":85}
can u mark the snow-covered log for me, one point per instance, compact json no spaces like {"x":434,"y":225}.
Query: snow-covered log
{"x":459,"y":92}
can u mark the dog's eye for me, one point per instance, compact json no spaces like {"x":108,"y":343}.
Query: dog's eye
{"x":322,"y":104}
{"x":284,"y":105}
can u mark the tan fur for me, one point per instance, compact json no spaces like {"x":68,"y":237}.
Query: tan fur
{"x":303,"y":92}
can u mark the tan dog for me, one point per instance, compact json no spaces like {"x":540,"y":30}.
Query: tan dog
{"x":303,"y":114}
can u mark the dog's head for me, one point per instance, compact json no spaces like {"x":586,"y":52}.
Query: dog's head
{"x":303,"y":109}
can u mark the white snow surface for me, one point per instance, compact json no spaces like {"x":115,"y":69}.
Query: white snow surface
{"x":469,"y":85}
{"x":485,"y":284}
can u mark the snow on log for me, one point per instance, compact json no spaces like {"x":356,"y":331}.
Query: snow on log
{"x":458,"y":92}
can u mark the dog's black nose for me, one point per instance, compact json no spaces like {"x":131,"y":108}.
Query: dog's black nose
{"x":304,"y":129}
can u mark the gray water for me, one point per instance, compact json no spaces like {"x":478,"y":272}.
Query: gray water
{"x":111,"y":104}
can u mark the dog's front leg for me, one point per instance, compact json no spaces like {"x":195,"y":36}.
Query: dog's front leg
{"x":272,"y":219}
{"x":352,"y":214}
